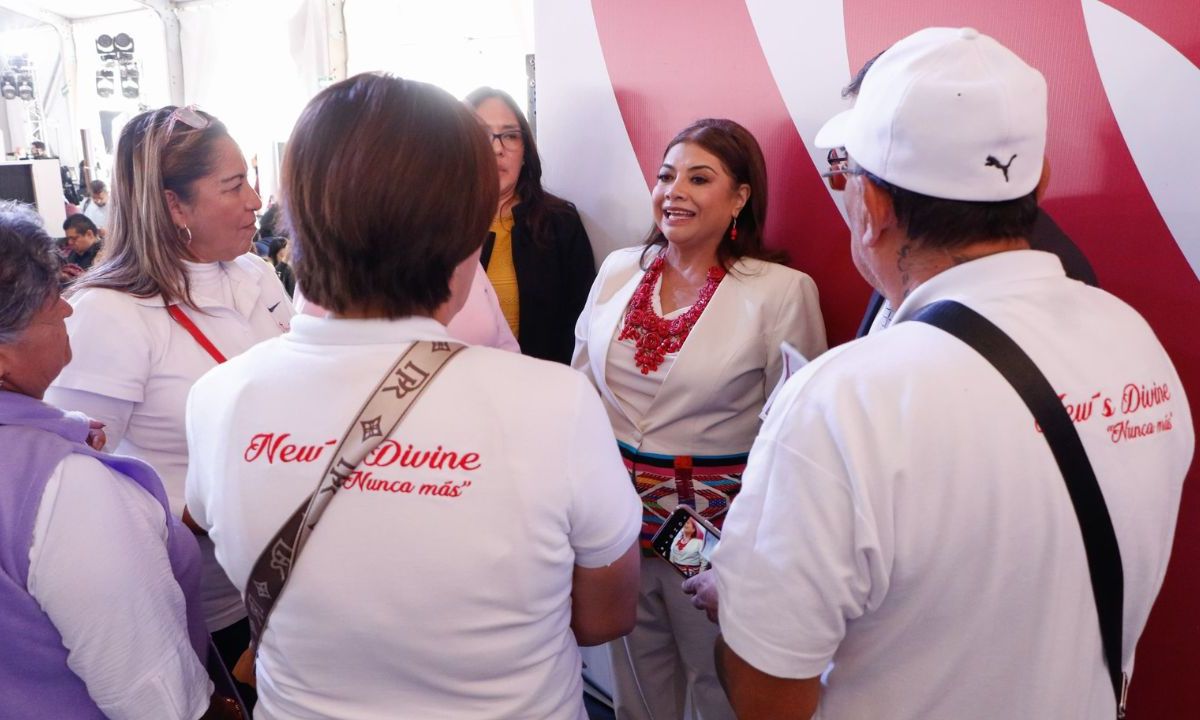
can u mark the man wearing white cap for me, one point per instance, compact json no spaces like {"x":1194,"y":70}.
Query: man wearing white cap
{"x":902,"y":517}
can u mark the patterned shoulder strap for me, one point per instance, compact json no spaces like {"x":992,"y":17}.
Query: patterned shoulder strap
{"x":387,"y":406}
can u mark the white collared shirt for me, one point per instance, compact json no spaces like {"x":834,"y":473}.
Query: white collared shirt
{"x":405,"y":604}
{"x":902,"y":516}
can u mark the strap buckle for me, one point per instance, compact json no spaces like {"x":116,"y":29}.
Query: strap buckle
{"x":1124,"y":695}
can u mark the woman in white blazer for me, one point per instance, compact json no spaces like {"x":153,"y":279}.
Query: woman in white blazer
{"x":681,"y":337}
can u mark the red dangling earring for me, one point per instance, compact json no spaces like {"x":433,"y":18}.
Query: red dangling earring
{"x":733,"y":230}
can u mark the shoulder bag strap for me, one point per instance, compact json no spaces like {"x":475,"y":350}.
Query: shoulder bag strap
{"x":177,"y":314}
{"x":1099,"y":538}
{"x":387,"y":405}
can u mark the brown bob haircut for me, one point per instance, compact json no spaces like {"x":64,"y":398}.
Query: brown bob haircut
{"x":739,"y":152}
{"x":388,"y":185}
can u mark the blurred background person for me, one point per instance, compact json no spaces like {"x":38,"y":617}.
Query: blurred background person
{"x":268,"y":227}
{"x":38,"y":151}
{"x":95,"y":580}
{"x":537,"y":254}
{"x":175,"y":295}
{"x":96,"y":206}
{"x":396,"y":608}
{"x":279,"y":252}
{"x":83,"y":245}
{"x":682,"y":338}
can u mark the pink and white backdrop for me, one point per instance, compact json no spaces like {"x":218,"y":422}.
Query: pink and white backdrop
{"x":617,"y":78}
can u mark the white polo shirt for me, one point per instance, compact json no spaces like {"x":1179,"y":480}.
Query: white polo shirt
{"x":404,"y":604}
{"x":902,"y":516}
{"x":133,"y":366}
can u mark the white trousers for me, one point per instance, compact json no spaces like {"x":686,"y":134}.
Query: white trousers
{"x":668,"y":658}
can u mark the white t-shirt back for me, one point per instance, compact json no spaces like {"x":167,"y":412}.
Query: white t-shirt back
{"x":410,"y":601}
{"x":902,"y":516}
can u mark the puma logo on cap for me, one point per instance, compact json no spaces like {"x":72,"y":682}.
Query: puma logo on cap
{"x":993,"y":162}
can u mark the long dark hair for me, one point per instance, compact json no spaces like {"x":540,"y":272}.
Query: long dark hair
{"x":739,"y":152}
{"x":536,"y":203}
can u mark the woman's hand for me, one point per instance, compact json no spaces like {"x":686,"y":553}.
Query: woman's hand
{"x":191,"y":523}
{"x":96,"y":438}
{"x":223,"y":708}
{"x":703,"y":589}
{"x":70,"y":271}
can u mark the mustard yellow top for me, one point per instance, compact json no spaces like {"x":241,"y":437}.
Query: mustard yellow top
{"x":503,"y":273}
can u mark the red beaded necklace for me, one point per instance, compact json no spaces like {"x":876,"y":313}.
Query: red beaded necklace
{"x":653,"y":336}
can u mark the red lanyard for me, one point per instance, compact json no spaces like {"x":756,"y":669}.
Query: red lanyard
{"x":178,"y":316}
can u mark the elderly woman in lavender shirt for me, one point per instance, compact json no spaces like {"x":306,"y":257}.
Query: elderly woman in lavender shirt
{"x":95,"y":574}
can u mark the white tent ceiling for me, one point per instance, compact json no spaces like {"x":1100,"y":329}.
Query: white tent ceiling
{"x":78,"y":9}
{"x":21,"y":14}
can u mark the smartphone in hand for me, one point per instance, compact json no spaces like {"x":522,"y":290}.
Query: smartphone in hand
{"x":686,"y":541}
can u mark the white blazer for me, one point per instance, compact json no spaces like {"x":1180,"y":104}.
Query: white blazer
{"x":709,"y":402}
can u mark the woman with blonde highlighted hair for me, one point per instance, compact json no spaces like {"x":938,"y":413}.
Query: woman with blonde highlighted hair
{"x":175,"y":295}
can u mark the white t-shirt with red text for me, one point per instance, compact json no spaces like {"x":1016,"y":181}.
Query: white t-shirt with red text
{"x":438,"y":582}
{"x":903,"y":518}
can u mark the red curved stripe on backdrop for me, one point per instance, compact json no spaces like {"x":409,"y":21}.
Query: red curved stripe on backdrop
{"x":1177,"y":22}
{"x":1098,"y":197}
{"x":673,"y":61}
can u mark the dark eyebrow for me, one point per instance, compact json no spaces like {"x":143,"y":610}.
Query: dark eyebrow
{"x":702,"y":167}
{"x":239,"y":176}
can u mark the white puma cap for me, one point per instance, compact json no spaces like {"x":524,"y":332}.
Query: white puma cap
{"x":949,"y":113}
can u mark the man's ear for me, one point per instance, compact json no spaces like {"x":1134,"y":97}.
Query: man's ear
{"x":176,"y":206}
{"x":879,"y":210}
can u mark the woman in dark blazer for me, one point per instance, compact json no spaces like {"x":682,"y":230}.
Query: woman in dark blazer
{"x":537,"y":255}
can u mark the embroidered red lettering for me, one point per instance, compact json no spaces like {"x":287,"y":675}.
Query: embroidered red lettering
{"x":446,"y":489}
{"x":1139,"y":397}
{"x":366,"y":481}
{"x":1126,"y":430}
{"x":385,"y":454}
{"x":277,"y":447}
{"x":257,"y":444}
{"x":391,"y":452}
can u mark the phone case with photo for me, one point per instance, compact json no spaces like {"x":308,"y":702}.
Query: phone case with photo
{"x":689,"y":555}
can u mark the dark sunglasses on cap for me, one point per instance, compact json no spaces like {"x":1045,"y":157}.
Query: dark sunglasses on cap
{"x":839,"y":169}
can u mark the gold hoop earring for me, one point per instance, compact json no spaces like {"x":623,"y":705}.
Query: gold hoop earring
{"x":186,"y":229}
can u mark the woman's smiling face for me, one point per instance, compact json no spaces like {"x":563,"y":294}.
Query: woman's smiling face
{"x":696,"y":198}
